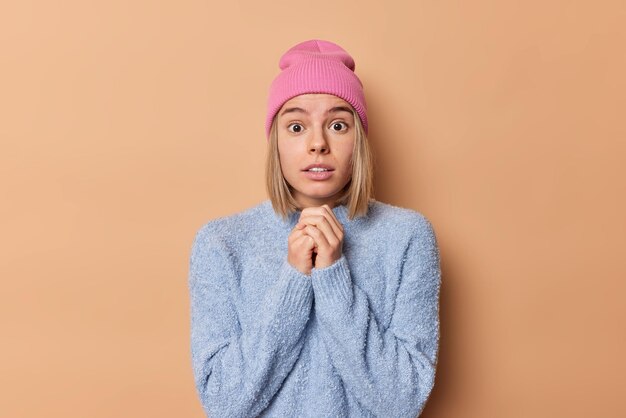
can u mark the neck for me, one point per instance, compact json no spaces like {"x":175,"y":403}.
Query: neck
{"x":307,"y":202}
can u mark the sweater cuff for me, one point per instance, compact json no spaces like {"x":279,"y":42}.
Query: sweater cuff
{"x":295,"y":287}
{"x":332,"y":285}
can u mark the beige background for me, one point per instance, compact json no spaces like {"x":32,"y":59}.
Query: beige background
{"x":125,"y":126}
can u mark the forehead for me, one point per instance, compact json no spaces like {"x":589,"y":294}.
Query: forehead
{"x":315,"y":100}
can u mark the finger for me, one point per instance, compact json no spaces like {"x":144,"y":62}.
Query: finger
{"x":326,"y":212}
{"x":318,"y":236}
{"x":302,"y":243}
{"x":337,"y":224}
{"x":305,"y":242}
{"x":334,"y":217}
{"x":323,"y":225}
{"x":295,"y":234}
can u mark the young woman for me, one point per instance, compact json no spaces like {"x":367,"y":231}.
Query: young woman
{"x":320,"y":301}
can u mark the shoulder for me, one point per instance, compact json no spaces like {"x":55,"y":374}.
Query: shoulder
{"x":418,"y":241}
{"x":231,"y":228}
{"x":400,"y":220}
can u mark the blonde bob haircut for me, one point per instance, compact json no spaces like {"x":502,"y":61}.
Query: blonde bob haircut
{"x":357,"y":193}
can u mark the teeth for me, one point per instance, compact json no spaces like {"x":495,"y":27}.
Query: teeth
{"x":318,"y":169}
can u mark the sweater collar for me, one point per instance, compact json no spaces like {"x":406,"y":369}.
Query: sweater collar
{"x":340,"y":211}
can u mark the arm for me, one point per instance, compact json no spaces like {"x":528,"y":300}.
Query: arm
{"x":237,"y":373}
{"x":389,"y":372}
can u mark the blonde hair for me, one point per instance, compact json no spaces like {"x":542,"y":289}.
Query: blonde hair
{"x":355,"y":195}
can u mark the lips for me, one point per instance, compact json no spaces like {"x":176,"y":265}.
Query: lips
{"x":322,"y":166}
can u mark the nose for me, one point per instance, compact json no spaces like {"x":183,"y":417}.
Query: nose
{"x":318,"y":142}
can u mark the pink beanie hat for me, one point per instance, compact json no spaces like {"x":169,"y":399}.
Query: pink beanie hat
{"x":316,"y":66}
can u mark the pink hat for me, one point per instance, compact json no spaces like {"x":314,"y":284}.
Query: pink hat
{"x":316,"y":66}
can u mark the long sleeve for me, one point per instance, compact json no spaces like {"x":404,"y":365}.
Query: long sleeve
{"x":389,"y":372}
{"x":238,"y":372}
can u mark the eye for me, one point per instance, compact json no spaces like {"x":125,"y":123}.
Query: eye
{"x":297,"y":127}
{"x":336,"y":126}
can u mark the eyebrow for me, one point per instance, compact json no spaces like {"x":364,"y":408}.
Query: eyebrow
{"x":331,"y":110}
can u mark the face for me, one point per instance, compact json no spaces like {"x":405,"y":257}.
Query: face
{"x":316,"y":132}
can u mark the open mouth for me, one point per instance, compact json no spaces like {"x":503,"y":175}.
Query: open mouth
{"x":318,"y":170}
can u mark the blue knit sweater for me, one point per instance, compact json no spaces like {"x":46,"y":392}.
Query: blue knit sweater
{"x":358,"y":338}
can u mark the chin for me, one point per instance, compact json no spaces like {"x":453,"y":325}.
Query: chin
{"x":320,"y":194}
{"x":319,"y":190}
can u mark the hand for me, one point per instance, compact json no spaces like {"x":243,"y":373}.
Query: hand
{"x":321,"y":224}
{"x":300,"y":250}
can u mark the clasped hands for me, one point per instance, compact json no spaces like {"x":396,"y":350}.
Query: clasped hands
{"x":316,"y":240}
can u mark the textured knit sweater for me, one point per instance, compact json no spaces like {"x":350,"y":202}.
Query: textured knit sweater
{"x":358,"y":338}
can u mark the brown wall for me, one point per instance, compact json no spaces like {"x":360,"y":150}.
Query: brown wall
{"x":125,"y":126}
